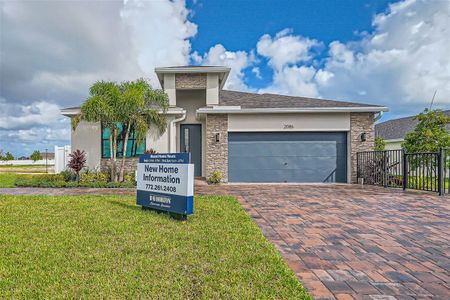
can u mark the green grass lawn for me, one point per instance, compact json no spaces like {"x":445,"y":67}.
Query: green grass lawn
{"x":107,"y":247}
{"x":7,"y":180}
{"x":25,"y":166}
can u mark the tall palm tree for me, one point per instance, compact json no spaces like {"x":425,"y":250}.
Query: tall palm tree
{"x":134,"y":104}
{"x":141,"y":107}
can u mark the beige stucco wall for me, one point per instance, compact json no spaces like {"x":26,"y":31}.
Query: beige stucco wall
{"x":159,"y":143}
{"x":212,"y":89}
{"x":283,"y":122}
{"x":87,"y":137}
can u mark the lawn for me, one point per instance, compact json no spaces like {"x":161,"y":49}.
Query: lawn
{"x":107,"y":247}
{"x":7,"y":180}
{"x":24,"y":166}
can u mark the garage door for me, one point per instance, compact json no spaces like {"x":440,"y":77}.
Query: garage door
{"x":287,"y":156}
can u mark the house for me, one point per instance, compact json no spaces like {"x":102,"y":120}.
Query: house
{"x":394,"y":131}
{"x":247,"y":137}
{"x":48,"y":155}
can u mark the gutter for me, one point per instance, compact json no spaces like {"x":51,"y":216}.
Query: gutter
{"x":378,"y":116}
{"x":238,"y":110}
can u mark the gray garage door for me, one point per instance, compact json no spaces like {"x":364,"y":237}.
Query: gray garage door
{"x":287,"y":156}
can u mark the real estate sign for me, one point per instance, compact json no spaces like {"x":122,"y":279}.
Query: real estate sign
{"x":166,"y":182}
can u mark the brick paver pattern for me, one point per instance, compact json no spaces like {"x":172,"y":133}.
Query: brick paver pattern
{"x":348,"y":242}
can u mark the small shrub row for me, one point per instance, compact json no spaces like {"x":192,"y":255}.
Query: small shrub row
{"x":92,"y":180}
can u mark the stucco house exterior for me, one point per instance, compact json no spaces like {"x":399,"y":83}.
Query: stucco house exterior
{"x":393,"y":131}
{"x":247,"y":137}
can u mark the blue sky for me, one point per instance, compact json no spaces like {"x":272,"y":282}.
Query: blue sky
{"x":392,"y":53}
{"x":238,"y":24}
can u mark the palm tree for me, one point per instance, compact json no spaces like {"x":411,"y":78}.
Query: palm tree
{"x":134,"y":105}
{"x":102,"y":106}
{"x":141,"y":107}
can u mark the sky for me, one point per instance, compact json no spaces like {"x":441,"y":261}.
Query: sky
{"x":392,"y":53}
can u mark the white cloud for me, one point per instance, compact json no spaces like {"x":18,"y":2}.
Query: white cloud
{"x":400,"y":64}
{"x":238,"y":61}
{"x":285,"y":49}
{"x":160,"y":31}
{"x":53,"y":51}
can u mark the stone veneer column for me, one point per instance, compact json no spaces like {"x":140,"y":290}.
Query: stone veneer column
{"x":359,"y":123}
{"x":217,"y":152}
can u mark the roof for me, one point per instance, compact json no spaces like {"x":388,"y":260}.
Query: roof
{"x":398,"y":128}
{"x":252,"y":100}
{"x":242,"y":102}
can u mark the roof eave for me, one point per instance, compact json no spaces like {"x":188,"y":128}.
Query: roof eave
{"x":234,"y":110}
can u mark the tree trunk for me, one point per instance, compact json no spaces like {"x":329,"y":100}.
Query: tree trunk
{"x":112,"y":171}
{"x":114,"y":154}
{"x":125,"y":142}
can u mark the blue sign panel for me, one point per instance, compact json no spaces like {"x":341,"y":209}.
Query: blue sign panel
{"x":165,"y":181}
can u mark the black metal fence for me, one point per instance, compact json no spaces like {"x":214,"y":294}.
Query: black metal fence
{"x":428,"y":171}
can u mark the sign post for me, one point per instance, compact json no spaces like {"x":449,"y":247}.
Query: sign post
{"x":165,"y":182}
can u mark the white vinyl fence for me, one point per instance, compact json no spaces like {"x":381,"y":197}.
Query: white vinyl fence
{"x":61,"y":158}
{"x":16,"y":162}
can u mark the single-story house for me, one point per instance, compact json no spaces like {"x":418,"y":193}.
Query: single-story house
{"x":248,"y":137}
{"x":394,"y":131}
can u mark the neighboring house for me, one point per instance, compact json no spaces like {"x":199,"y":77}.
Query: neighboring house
{"x":49,"y":155}
{"x":394,"y":131}
{"x":247,"y":137}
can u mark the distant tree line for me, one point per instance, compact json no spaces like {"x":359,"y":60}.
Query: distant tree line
{"x":36,"y":155}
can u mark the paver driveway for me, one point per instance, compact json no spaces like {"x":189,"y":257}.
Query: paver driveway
{"x":347,"y":242}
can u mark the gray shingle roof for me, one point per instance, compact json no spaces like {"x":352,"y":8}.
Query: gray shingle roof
{"x":252,"y":100}
{"x":398,"y":128}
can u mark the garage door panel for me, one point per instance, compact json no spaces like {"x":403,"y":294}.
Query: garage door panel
{"x":287,"y":157}
{"x":281,"y":162}
{"x":308,"y":148}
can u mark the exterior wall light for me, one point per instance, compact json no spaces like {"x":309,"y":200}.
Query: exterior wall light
{"x":363,"y":137}
{"x":217,"y":136}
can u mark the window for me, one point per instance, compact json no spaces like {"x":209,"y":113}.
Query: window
{"x":133,"y":147}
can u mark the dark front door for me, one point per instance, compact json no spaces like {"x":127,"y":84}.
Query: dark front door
{"x":191,"y":141}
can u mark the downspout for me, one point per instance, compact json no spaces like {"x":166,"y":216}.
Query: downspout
{"x":378,"y":116}
{"x":172,"y":130}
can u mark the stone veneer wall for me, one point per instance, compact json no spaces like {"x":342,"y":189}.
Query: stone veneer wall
{"x":130,"y":164}
{"x":190,"y":81}
{"x":359,"y":123}
{"x":217,"y":152}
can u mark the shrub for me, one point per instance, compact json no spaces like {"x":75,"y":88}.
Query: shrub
{"x":129,"y":177}
{"x":216,"y":177}
{"x":77,"y":161}
{"x":95,"y":177}
{"x":150,"y":151}
{"x":68,"y":175}
{"x":47,"y":180}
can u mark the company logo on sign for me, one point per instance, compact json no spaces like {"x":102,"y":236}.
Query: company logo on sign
{"x":166,"y":182}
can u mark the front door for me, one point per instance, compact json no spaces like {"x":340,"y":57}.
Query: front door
{"x":191,"y":141}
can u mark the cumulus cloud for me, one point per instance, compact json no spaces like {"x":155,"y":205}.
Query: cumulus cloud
{"x":238,"y":61}
{"x":285,"y":49}
{"x":52,"y":51}
{"x":399,"y":64}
